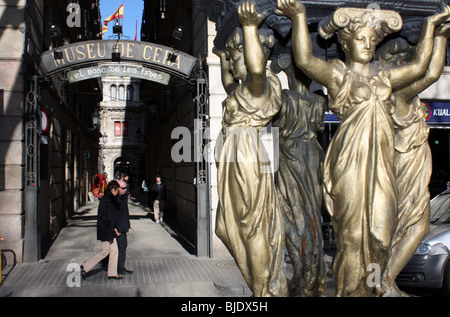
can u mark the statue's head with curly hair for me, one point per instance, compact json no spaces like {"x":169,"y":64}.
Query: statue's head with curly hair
{"x":354,"y":25}
{"x":235,"y":49}
{"x":236,"y":40}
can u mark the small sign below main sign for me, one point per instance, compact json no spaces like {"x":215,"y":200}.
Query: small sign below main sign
{"x":127,"y":70}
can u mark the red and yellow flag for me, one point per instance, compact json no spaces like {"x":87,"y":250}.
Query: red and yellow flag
{"x":116,"y":15}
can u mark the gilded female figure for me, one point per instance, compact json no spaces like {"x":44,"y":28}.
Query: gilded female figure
{"x":248,"y":219}
{"x":359,"y":174}
{"x":413,"y":163}
{"x":299,"y":178}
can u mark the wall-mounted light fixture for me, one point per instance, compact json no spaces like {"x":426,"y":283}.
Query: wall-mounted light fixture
{"x":117,"y":28}
{"x":55,"y":34}
{"x":95,"y":118}
{"x":164,"y":9}
{"x":104,"y":138}
{"x":177,"y":34}
{"x":115,"y":55}
{"x":54,"y":31}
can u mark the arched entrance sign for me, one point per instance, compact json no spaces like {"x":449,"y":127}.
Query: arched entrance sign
{"x":155,"y":62}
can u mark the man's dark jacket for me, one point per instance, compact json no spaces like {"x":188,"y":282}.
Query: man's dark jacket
{"x":122,"y":215}
{"x":159,"y":191}
{"x":106,"y":217}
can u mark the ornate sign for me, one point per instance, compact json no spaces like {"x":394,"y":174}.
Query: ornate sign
{"x":92,"y":52}
{"x":117,"y":69}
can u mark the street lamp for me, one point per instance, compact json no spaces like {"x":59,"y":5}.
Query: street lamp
{"x":95,"y":118}
{"x":115,"y":54}
{"x":117,"y":28}
{"x":104,"y":138}
{"x":55,"y":34}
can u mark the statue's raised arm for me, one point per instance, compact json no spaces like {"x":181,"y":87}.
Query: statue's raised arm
{"x":254,"y":57}
{"x":407,"y":74}
{"x":315,"y":68}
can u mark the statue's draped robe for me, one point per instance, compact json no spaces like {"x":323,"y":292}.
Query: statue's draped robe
{"x":413,"y":167}
{"x":299,"y":185}
{"x":248,"y":220}
{"x":359,"y":179}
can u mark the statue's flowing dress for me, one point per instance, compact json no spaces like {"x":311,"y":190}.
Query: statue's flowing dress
{"x":248,"y":220}
{"x":299,"y":185}
{"x":359,"y":179}
{"x":413,"y":167}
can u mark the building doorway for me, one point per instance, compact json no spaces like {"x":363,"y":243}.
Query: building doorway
{"x":121,"y":166}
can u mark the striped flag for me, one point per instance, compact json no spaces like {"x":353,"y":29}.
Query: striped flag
{"x":116,"y":15}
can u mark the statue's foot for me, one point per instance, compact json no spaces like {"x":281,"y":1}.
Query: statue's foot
{"x":393,"y":291}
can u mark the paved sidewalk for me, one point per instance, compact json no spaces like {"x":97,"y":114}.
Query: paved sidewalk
{"x":161,"y":259}
{"x":161,"y":265}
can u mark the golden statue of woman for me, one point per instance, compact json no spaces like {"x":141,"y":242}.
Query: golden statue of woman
{"x":359,"y":173}
{"x":299,"y":178}
{"x":248,"y":220}
{"x":413,"y":163}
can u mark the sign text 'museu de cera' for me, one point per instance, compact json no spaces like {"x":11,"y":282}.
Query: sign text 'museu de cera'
{"x":153,"y":55}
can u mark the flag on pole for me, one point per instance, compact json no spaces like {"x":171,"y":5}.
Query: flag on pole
{"x":116,"y":15}
{"x":135,"y":34}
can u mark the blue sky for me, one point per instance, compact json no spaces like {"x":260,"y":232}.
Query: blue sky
{"x":131,"y":10}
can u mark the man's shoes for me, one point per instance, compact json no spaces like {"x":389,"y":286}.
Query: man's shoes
{"x":125,"y":271}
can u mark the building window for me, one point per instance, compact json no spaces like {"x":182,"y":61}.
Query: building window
{"x":121,"y":93}
{"x":121,"y":128}
{"x":130,"y":93}
{"x":113,"y":92}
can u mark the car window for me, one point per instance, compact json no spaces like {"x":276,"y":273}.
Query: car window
{"x":440,"y":209}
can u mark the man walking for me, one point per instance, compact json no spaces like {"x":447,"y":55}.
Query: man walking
{"x":159,"y":196}
{"x":123,"y":225}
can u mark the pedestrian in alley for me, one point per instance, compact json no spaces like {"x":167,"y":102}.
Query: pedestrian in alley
{"x":126,"y":179}
{"x":106,"y":232}
{"x":122,"y":227}
{"x":146,"y":191}
{"x":159,"y":199}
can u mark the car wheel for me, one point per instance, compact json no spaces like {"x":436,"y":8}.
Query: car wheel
{"x":446,"y":285}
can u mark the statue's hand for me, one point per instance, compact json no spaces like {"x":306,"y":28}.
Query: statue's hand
{"x":248,"y":15}
{"x":443,"y":30}
{"x":440,"y":18}
{"x":220,"y":53}
{"x":223,"y":55}
{"x":289,"y":8}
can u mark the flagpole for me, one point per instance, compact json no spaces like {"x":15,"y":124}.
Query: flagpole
{"x":123,"y":15}
{"x":135,"y":32}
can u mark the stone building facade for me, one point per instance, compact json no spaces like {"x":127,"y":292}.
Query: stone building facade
{"x":122,"y":120}
{"x":45,"y":170}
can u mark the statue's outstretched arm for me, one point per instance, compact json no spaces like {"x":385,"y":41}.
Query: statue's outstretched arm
{"x":435,"y":67}
{"x":315,"y":68}
{"x":254,"y":57}
{"x":402,"y":76}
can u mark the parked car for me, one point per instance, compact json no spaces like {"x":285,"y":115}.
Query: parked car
{"x":430,"y":265}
